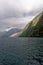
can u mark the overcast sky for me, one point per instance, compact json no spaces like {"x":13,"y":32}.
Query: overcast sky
{"x":16,"y":13}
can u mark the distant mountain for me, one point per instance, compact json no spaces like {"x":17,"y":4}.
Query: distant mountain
{"x":2,"y":33}
{"x":10,"y":32}
{"x":34,"y":28}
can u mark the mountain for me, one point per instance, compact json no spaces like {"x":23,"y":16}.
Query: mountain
{"x":34,"y":28}
{"x":10,"y":32}
{"x":2,"y":33}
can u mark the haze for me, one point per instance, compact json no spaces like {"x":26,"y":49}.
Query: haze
{"x":17,"y":13}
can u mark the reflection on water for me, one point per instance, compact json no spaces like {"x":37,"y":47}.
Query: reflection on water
{"x":21,"y":51}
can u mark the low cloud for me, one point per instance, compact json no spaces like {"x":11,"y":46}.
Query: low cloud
{"x":17,"y":8}
{"x":15,"y":13}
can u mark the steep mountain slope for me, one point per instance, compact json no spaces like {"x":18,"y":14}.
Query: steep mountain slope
{"x":34,"y":28}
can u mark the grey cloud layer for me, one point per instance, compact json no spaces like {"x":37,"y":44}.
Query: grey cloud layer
{"x":13,"y":11}
{"x":9,"y":9}
{"x":14,"y":8}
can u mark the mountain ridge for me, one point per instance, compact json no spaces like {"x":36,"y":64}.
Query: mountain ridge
{"x":34,"y":28}
{"x":10,"y":32}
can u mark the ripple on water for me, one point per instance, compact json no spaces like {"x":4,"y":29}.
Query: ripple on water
{"x":21,"y":51}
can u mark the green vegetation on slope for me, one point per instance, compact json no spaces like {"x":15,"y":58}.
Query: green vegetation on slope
{"x":34,"y":28}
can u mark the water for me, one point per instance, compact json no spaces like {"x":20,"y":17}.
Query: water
{"x":21,"y":51}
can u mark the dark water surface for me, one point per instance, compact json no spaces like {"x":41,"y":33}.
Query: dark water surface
{"x":21,"y":51}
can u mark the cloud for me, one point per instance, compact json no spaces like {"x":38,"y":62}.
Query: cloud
{"x":16,"y":12}
{"x":16,"y":8}
{"x":9,"y":8}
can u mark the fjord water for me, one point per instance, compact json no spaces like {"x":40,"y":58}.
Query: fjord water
{"x":21,"y":51}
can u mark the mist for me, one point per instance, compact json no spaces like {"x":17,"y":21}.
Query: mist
{"x":17,"y":13}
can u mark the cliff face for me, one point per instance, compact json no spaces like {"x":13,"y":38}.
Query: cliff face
{"x":34,"y":28}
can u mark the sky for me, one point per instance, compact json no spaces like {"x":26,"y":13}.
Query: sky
{"x":17,"y":13}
